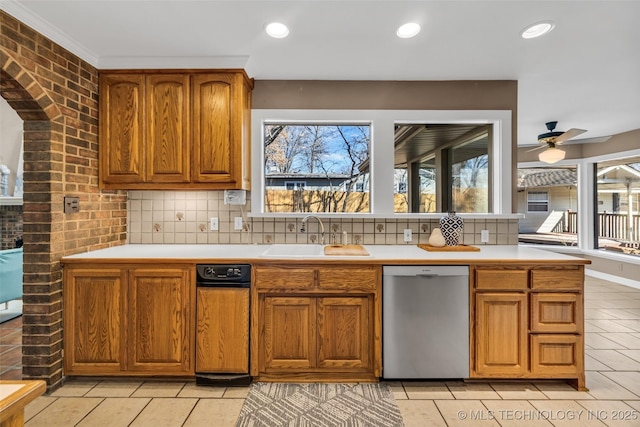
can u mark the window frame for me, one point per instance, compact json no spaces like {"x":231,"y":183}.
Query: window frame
{"x":382,"y":124}
{"x":547,"y":201}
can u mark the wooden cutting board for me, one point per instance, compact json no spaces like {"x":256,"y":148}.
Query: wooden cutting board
{"x":458,"y":248}
{"x":353,"y":250}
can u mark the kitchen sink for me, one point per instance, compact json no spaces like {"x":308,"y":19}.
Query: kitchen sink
{"x":293,"y":251}
{"x":313,"y":251}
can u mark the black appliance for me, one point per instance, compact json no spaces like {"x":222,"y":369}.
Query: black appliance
{"x":222,"y":324}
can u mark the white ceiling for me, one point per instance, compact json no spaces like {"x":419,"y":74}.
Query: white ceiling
{"x":584,"y":74}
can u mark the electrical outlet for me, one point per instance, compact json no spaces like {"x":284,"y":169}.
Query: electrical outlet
{"x":484,"y":236}
{"x":213,"y":224}
{"x":408,"y":235}
{"x":237,"y":223}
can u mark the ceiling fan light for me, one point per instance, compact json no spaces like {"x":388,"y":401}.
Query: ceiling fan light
{"x":408,"y":30}
{"x":551,"y":155}
{"x":538,"y":29}
{"x":277,"y":30}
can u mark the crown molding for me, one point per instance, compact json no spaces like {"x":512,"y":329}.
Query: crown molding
{"x":26,"y":16}
{"x":169,"y":62}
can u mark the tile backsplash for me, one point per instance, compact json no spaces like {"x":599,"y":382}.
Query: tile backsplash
{"x":166,"y":217}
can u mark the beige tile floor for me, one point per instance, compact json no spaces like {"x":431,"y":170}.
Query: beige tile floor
{"x":612,"y":323}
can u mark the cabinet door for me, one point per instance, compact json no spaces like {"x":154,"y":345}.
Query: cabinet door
{"x":501,"y":334}
{"x":217,"y":129}
{"x":160,"y":323}
{"x":344,"y":333}
{"x":167,"y":143}
{"x":94,"y":318}
{"x":222,"y":343}
{"x":289,"y":341}
{"x":121,"y":128}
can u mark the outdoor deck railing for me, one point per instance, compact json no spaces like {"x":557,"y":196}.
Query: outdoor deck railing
{"x":610,"y":225}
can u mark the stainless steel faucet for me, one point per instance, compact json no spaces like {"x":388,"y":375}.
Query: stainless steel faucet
{"x":304,"y":221}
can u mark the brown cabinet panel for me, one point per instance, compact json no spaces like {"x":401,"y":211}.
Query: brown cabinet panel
{"x":160,"y":327}
{"x":363,"y":278}
{"x":497,"y":278}
{"x":175,"y":130}
{"x":222,"y":338}
{"x":167,"y":143}
{"x":501,"y":334}
{"x":558,"y":278}
{"x":122,"y":158}
{"x":289,"y":333}
{"x":284,"y":277}
{"x":344,"y":333}
{"x":94,"y":320}
{"x":213,"y":103}
{"x":556,"y":355}
{"x":556,"y":312}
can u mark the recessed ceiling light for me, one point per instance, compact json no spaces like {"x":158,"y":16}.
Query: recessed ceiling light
{"x":409,"y":30}
{"x":538,"y":29}
{"x":277,"y":30}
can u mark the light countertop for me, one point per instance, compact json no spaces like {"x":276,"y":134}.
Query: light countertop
{"x":379,"y":254}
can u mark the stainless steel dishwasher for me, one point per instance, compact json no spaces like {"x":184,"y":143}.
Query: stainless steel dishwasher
{"x":425,"y":322}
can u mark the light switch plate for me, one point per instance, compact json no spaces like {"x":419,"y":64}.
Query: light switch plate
{"x":484,"y":236}
{"x":237,"y":223}
{"x":408,"y":235}
{"x":213,"y":224}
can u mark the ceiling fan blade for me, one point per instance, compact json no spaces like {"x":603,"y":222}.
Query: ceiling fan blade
{"x":569,"y":134}
{"x":537,"y":148}
{"x":594,"y":140}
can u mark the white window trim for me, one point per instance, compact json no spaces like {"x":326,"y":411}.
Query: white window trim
{"x":382,"y":130}
{"x":586,"y":202}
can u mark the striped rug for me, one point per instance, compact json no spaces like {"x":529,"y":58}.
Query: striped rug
{"x":319,"y":405}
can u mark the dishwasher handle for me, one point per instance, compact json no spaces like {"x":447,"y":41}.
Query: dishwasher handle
{"x":427,"y":276}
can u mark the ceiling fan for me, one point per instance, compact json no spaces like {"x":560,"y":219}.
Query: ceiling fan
{"x":551,"y":139}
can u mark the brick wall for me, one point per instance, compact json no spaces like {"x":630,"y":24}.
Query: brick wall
{"x":55,"y":94}
{"x":10,"y":226}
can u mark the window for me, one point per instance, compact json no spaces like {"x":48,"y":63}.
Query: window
{"x":295,"y":185}
{"x":469,"y":174}
{"x":548,"y":198}
{"x":362,"y":162}
{"x":322,"y":167}
{"x":537,"y":201}
{"x":618,"y":207}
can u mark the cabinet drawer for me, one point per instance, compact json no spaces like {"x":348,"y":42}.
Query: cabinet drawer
{"x":556,"y":355}
{"x":501,"y":279}
{"x":284,"y":277}
{"x":556,"y":312}
{"x":561,"y":278}
{"x":348,"y":278}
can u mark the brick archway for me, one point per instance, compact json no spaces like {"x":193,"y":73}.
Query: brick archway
{"x":42,"y":288}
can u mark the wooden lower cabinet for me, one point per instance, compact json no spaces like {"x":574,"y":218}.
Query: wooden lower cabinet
{"x":323,"y":328}
{"x":528,"y":324}
{"x":159,"y":326}
{"x":94,"y":320}
{"x":501,"y":334}
{"x":128,"y":320}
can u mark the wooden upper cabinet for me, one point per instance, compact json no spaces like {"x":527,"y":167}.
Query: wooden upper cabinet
{"x":175,"y":130}
{"x":214,"y":99}
{"x":167,"y":141}
{"x":121,"y":129}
